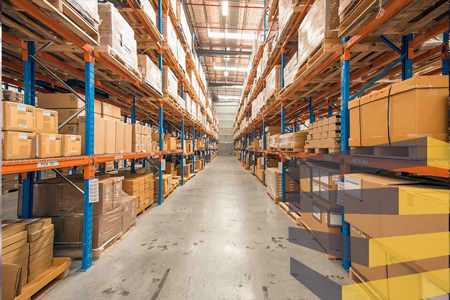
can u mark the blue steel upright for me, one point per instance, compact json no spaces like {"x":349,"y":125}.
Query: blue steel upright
{"x":283,"y":171}
{"x":182,"y":149}
{"x":345,"y":132}
{"x":30,"y":94}
{"x":133,"y":121}
{"x":407,"y":63}
{"x":161,"y":142}
{"x":193,"y":149}
{"x":89,"y":150}
{"x":264,"y":148}
{"x":445,"y":54}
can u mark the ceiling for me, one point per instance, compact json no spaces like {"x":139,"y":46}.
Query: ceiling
{"x":240,"y":24}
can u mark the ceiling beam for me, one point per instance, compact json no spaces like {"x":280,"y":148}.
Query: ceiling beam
{"x":219,"y":84}
{"x":222,"y":53}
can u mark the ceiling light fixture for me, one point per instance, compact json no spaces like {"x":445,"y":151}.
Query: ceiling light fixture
{"x":230,"y":69}
{"x":226,"y":73}
{"x":231,"y":36}
{"x":225,"y":8}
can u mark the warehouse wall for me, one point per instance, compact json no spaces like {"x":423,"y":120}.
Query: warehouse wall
{"x":225,"y":115}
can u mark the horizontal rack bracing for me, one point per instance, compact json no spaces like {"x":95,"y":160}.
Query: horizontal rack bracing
{"x":58,"y":47}
{"x":373,"y":46}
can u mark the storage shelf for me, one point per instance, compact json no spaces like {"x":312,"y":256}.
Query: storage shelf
{"x":30,"y":165}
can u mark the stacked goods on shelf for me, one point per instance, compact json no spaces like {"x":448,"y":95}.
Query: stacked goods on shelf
{"x":169,"y":83}
{"x":273,"y":82}
{"x":321,"y":212}
{"x":34,"y":250}
{"x":18,"y":131}
{"x":291,"y":70}
{"x":274,"y":142}
{"x":257,"y":104}
{"x":324,"y":136}
{"x":270,"y":132}
{"x":9,"y":182}
{"x":188,"y":101}
{"x":317,"y":31}
{"x":166,"y":185}
{"x":141,"y":138}
{"x":183,"y":23}
{"x":259,"y":168}
{"x":273,"y":180}
{"x":285,"y":11}
{"x":129,"y":212}
{"x":198,"y":165}
{"x":123,"y":137}
{"x":294,"y":141}
{"x":141,"y":186}
{"x":148,"y":12}
{"x":170,"y":35}
{"x":117,"y":37}
{"x":12,"y":96}
{"x":181,"y":56}
{"x":396,"y":113}
{"x":383,"y":207}
{"x":151,"y":75}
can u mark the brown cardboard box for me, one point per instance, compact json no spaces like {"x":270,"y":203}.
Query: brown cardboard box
{"x":411,"y":103}
{"x":9,"y":229}
{"x":39,"y":269}
{"x":46,"y":121}
{"x":123,"y":137}
{"x":137,"y":129}
{"x":12,"y":185}
{"x":137,"y":138}
{"x":15,"y":241}
{"x":305,"y":179}
{"x":48,"y":145}
{"x":43,"y":242}
{"x":128,"y":211}
{"x":98,"y":107}
{"x":128,"y":134}
{"x":71,"y":145}
{"x":99,"y":130}
{"x":45,"y":255}
{"x":106,"y":226}
{"x":10,"y":177}
{"x":65,"y":113}
{"x":63,"y":100}
{"x":325,"y":180}
{"x":18,"y":117}
{"x":11,"y":281}
{"x":111,"y":111}
{"x":136,"y":147}
{"x":69,"y":129}
{"x":110,"y":134}
{"x":14,"y":252}
{"x":117,"y":187}
{"x":18,"y":145}
{"x":37,"y":255}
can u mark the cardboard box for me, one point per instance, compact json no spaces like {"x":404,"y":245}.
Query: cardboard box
{"x":48,"y":145}
{"x":325,"y":181}
{"x":136,"y":129}
{"x":99,"y":137}
{"x":69,"y":129}
{"x":111,"y":111}
{"x":110,"y":135}
{"x":46,"y":121}
{"x":43,"y":242}
{"x":9,"y":229}
{"x":15,"y":241}
{"x":18,"y":145}
{"x":106,"y":226}
{"x":128,"y":211}
{"x":12,"y":185}
{"x":9,"y":177}
{"x":11,"y":281}
{"x":63,"y":100}
{"x":18,"y":117}
{"x":408,"y":119}
{"x":123,"y":137}
{"x":65,"y":113}
{"x":71,"y":145}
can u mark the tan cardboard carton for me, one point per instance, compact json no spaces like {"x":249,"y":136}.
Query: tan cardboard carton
{"x":48,"y":145}
{"x":46,"y":121}
{"x":18,"y":117}
{"x":18,"y":145}
{"x":63,"y":100}
{"x":99,"y":136}
{"x":69,"y":129}
{"x":65,"y":113}
{"x":111,"y":111}
{"x":120,"y":136}
{"x":137,"y":129}
{"x":71,"y":145}
{"x":110,"y":135}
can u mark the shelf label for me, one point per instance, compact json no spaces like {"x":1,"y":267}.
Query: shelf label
{"x":327,"y":157}
{"x":118,"y":157}
{"x":152,"y":153}
{"x":163,"y":165}
{"x":45,"y":164}
{"x":340,"y":193}
{"x":93,"y":190}
{"x":184,"y":161}
{"x":360,"y":161}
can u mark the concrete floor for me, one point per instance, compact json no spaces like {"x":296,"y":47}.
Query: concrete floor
{"x":218,"y":237}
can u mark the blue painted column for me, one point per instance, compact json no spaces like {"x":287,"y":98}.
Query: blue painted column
{"x":264,"y":148}
{"x":265,"y":19}
{"x":88,"y":170}
{"x":283,"y":64}
{"x":29,"y":99}
{"x":125,"y":161}
{"x":182,"y":148}
{"x":445,"y":55}
{"x":345,"y":132}
{"x":407,"y":62}
{"x":193,"y":149}
{"x":133,"y":121}
{"x":283,"y":171}
{"x":161,"y":156}
{"x":254,"y":153}
{"x":330,"y":108}
{"x":312,"y":118}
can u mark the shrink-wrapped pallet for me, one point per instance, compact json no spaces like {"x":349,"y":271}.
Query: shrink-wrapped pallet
{"x":188,"y":101}
{"x":170,"y":83}
{"x":181,"y":55}
{"x":170,"y":35}
{"x":291,"y":70}
{"x":285,"y":10}
{"x":273,"y":81}
{"x":316,"y":26}
{"x":151,"y":74}
{"x":117,"y":34}
{"x":88,"y":9}
{"x":147,"y":8}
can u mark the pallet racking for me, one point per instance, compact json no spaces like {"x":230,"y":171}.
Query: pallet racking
{"x":326,"y":76}
{"x":66,"y":62}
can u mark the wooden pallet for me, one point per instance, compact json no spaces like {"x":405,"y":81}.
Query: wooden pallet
{"x":292,"y":211}
{"x":111,"y":56}
{"x":4,"y":192}
{"x":140,"y":212}
{"x":363,"y":285}
{"x":318,"y":243}
{"x":45,"y":282}
{"x":320,"y":150}
{"x":293,"y":149}
{"x":386,"y":151}
{"x":100,"y":252}
{"x":275,"y":199}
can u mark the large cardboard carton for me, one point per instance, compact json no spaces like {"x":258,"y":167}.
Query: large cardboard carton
{"x":65,"y":113}
{"x":48,"y":145}
{"x":18,"y":117}
{"x":18,"y":145}
{"x":112,"y":111}
{"x":71,"y":145}
{"x":99,"y":138}
{"x":106,"y":226}
{"x":69,"y":129}
{"x":128,"y":212}
{"x":46,"y":121}
{"x":110,"y":134}
{"x":64,"y":100}
{"x":11,"y":281}
{"x":413,"y":108}
{"x":325,"y":181}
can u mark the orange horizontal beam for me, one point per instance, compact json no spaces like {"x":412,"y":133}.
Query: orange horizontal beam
{"x":30,"y":165}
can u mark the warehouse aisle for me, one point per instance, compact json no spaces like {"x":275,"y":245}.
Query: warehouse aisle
{"x":218,"y":237}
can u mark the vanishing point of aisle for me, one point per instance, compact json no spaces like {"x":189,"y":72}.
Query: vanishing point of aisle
{"x":218,"y":237}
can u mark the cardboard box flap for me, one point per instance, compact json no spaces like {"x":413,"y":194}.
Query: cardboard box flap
{"x":11,"y":281}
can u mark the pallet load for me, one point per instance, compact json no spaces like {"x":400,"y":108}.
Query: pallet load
{"x":374,"y":208}
{"x":294,"y":141}
{"x":291,"y":70}
{"x":273,"y":83}
{"x":141,"y":139}
{"x":170,"y":35}
{"x":321,"y":212}
{"x":396,"y":113}
{"x":271,"y":131}
{"x":273,"y":179}
{"x":151,"y":75}
{"x":274,"y":141}
{"x":12,"y":96}
{"x":166,"y":185}
{"x":9,"y":182}
{"x":117,"y":38}
{"x":169,"y":83}
{"x":324,"y":136}
{"x":141,"y":186}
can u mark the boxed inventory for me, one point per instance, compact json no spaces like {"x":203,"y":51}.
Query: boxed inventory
{"x":18,"y":117}
{"x":151,"y":75}
{"x":46,"y":121}
{"x":18,"y":145}
{"x":169,"y":83}
{"x":48,"y":145}
{"x":62,"y":100}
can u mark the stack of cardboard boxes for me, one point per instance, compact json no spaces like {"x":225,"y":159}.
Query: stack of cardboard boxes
{"x":30,"y":132}
{"x":28,"y":243}
{"x":10,"y":182}
{"x":12,"y":96}
{"x":273,"y":178}
{"x":142,"y":138}
{"x":166,"y":185}
{"x":169,"y":142}
{"x":324,"y":136}
{"x":294,"y":141}
{"x":142,"y":187}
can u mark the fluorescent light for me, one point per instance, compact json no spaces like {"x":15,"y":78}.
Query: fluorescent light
{"x":229,"y":69}
{"x":228,"y":35}
{"x":226,"y":73}
{"x":230,"y":97}
{"x":225,"y":8}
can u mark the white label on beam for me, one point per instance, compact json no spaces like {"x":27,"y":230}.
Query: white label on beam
{"x":45,"y":164}
{"x":93,"y":190}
